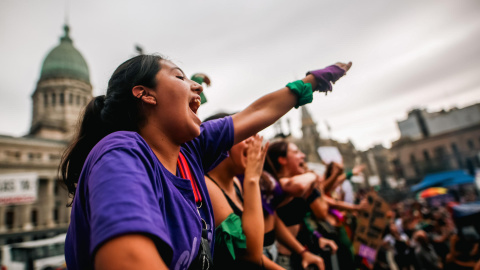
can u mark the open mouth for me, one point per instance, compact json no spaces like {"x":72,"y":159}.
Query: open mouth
{"x":195,"y":104}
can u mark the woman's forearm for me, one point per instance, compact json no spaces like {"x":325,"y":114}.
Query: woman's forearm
{"x":270,"y":265}
{"x":340,"y":205}
{"x":252,"y":220}
{"x":298,"y":185}
{"x":330,"y":182}
{"x":285,"y":237}
{"x":265,"y":111}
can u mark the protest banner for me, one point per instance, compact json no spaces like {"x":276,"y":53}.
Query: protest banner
{"x":330,"y":154}
{"x":371,"y":224}
{"x":18,"y":188}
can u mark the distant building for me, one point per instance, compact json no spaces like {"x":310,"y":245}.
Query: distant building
{"x":30,"y":163}
{"x":311,"y":141}
{"x":438,"y":141}
{"x":378,"y":163}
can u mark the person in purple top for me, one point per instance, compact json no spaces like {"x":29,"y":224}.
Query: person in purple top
{"x":135,"y":168}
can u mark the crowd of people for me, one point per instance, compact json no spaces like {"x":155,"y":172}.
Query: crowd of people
{"x":154,"y":187}
{"x":420,"y":236}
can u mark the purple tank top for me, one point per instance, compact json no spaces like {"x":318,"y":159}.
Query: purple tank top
{"x":272,"y":192}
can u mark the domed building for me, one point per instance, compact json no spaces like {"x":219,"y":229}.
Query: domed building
{"x":32,"y":198}
{"x":62,"y":91}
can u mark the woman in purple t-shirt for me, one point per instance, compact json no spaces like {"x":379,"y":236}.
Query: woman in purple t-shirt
{"x":136,"y":164}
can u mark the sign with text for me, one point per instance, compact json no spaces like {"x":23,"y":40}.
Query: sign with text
{"x":330,"y":154}
{"x":371,"y":224}
{"x":18,"y":188}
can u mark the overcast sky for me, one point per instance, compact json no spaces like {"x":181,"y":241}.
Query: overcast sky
{"x":405,"y":54}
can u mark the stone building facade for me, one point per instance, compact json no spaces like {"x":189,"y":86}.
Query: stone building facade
{"x":61,"y":94}
{"x":439,"y":141}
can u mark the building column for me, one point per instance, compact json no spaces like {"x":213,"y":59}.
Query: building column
{"x":3,"y":228}
{"x":50,"y":203}
{"x":25,"y":212}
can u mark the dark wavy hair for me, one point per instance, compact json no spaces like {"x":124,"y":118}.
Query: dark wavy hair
{"x":275,"y":150}
{"x":115,"y":111}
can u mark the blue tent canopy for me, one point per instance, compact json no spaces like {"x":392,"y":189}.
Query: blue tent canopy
{"x":444,"y":179}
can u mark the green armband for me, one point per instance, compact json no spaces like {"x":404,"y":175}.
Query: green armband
{"x":310,"y":222}
{"x":303,"y":91}
{"x":229,"y":234}
{"x":349,"y":174}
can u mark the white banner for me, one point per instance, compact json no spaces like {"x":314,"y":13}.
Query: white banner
{"x":18,"y":188}
{"x":330,"y":154}
{"x":374,"y":180}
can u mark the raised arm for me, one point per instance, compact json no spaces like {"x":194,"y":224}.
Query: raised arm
{"x":298,"y":185}
{"x":341,"y":205}
{"x":252,"y":218}
{"x":329,"y":183}
{"x":269,"y":108}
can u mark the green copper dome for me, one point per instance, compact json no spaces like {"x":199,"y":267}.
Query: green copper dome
{"x":64,"y":61}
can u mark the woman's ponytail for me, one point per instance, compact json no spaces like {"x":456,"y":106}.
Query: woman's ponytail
{"x":91,"y":130}
{"x":115,"y":111}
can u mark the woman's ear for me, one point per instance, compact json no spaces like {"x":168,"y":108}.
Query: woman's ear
{"x":282,"y":161}
{"x":143,"y":93}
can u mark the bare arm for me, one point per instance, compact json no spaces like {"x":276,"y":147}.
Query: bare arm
{"x":270,"y":265}
{"x":264,"y":112}
{"x":129,"y":252}
{"x":268,"y":109}
{"x":477,"y":266}
{"x":221,"y":208}
{"x":319,"y":208}
{"x":329,"y":183}
{"x":286,"y":238}
{"x":342,"y":177}
{"x":252,"y":217}
{"x":341,"y":205}
{"x":298,"y":185}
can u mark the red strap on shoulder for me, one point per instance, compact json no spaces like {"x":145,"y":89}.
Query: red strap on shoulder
{"x":185,"y":173}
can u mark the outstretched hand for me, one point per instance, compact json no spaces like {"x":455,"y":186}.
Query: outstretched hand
{"x":309,"y":258}
{"x":344,"y":66}
{"x":326,"y":76}
{"x":324,"y":242}
{"x":358,"y":169}
{"x":256,"y":153}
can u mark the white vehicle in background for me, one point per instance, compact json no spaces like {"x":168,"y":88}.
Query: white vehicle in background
{"x":44,"y":254}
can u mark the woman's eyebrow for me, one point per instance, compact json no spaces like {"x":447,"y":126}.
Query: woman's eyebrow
{"x":179,"y":69}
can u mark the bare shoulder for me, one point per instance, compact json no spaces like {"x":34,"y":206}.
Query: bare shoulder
{"x":238,"y":183}
{"x":221,"y":208}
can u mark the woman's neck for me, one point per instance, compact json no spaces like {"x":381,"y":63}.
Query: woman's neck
{"x":164,"y":148}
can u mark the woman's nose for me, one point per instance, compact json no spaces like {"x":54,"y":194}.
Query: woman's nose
{"x":196,"y":87}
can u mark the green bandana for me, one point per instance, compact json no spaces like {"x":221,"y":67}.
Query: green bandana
{"x":230,"y":234}
{"x":303,"y":91}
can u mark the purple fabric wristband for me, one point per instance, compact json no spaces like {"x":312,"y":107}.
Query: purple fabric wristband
{"x":317,"y":234}
{"x":326,"y":76}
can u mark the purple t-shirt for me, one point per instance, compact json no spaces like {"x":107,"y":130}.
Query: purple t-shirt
{"x":124,"y":189}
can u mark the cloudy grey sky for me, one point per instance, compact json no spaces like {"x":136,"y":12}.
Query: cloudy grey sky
{"x":405,"y":54}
